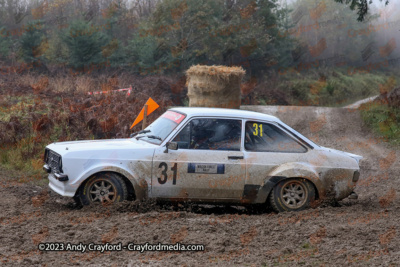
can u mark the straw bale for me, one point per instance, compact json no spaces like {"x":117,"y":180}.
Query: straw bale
{"x":214,"y":86}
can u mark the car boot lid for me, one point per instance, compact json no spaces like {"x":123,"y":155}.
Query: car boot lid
{"x":354,"y":156}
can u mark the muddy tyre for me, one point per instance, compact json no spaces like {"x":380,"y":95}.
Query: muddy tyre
{"x":104,"y":188}
{"x":292,"y":195}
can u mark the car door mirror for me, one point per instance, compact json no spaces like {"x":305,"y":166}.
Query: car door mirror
{"x":172,"y":146}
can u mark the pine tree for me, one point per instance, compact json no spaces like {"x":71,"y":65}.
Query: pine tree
{"x":33,"y":42}
{"x":85,"y":43}
{"x":4,"y":44}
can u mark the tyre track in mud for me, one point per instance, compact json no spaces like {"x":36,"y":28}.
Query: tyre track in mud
{"x":356,"y":233}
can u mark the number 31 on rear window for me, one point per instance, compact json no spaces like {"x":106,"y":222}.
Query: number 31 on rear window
{"x":257,"y":129}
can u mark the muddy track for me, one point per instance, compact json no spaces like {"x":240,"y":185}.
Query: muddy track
{"x":355,"y":232}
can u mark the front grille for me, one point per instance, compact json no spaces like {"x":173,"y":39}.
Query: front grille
{"x":53,"y":160}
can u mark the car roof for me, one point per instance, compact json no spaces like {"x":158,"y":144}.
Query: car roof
{"x":236,"y":113}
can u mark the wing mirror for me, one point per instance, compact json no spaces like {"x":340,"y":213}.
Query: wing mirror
{"x":172,"y":146}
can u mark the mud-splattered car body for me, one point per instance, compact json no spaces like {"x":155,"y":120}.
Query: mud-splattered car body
{"x":206,"y":155}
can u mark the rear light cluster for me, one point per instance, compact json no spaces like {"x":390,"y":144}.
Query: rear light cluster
{"x":356,"y":176}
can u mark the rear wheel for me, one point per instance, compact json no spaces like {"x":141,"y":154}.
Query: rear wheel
{"x":292,"y":195}
{"x":104,"y":188}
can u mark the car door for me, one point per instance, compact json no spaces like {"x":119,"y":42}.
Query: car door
{"x":208,"y":164}
{"x":266,"y":146}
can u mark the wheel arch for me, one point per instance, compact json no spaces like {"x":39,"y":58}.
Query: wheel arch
{"x":135,"y":190}
{"x":272,"y":181}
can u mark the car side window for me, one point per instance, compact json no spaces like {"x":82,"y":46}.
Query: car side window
{"x":265,"y":137}
{"x":183,"y":138}
{"x":210,"y":134}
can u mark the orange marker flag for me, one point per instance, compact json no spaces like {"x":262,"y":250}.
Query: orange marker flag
{"x":151,"y":106}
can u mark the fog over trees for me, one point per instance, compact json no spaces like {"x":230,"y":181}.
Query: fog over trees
{"x":164,"y":36}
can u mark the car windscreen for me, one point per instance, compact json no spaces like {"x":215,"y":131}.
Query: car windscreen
{"x":162,"y":127}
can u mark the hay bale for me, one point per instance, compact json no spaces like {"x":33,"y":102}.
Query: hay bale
{"x":214,"y":86}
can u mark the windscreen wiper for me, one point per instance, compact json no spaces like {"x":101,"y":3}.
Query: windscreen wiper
{"x":149,"y":136}
{"x":140,"y":132}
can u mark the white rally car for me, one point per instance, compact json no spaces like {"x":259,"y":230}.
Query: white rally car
{"x":205,"y":155}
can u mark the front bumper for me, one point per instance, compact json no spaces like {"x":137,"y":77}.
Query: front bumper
{"x":58,"y":176}
{"x":59,"y":183}
{"x":61,"y":188}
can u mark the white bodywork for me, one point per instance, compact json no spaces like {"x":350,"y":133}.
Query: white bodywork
{"x":247,"y":180}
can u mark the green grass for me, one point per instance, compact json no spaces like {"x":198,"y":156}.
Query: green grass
{"x":384,"y":120}
{"x":17,"y":106}
{"x":26,"y":155}
{"x":332,"y":88}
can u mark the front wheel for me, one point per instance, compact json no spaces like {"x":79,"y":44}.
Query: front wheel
{"x":104,"y":188}
{"x":292,"y":195}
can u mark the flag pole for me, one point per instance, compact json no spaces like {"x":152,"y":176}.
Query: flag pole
{"x":144,"y":117}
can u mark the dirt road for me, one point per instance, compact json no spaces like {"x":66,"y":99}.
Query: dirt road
{"x":363,"y":101}
{"x":356,"y":233}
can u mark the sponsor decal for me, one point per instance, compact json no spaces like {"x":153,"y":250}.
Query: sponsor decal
{"x":206,"y":168}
